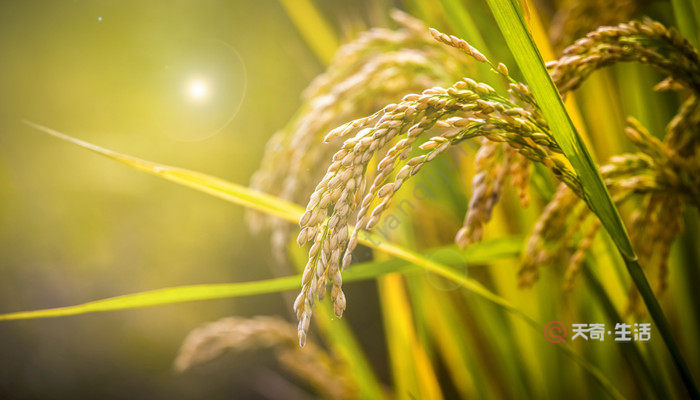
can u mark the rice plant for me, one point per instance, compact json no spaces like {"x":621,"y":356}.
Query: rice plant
{"x":516,"y":250}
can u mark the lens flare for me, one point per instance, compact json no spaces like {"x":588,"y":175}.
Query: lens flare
{"x":197,"y":89}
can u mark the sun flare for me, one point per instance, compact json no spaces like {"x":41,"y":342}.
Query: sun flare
{"x":197,"y":89}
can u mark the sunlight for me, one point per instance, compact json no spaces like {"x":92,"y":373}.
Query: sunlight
{"x":197,"y":89}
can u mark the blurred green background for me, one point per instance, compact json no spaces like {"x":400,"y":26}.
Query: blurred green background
{"x":198,"y":84}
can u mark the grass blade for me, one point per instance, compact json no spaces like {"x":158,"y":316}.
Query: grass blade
{"x":521,"y":44}
{"x":171,"y":295}
{"x":216,"y":187}
{"x":631,"y":353}
{"x":530,"y":62}
{"x":541,"y":40}
{"x":449,"y":336}
{"x":342,"y":340}
{"x":411,"y":368}
{"x":313,"y":28}
{"x":483,"y":252}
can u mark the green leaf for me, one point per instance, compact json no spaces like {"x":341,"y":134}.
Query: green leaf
{"x":631,"y":353}
{"x":510,"y":20}
{"x":315,"y":30}
{"x":483,"y":252}
{"x":530,"y":62}
{"x":171,"y":295}
{"x":216,"y":187}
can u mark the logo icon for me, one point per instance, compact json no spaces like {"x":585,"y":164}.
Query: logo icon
{"x":555,"y":332}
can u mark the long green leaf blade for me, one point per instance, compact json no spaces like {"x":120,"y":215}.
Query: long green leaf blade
{"x":510,"y":20}
{"x":217,"y":187}
{"x":479,"y":253}
{"x":171,"y":295}
{"x":532,"y":66}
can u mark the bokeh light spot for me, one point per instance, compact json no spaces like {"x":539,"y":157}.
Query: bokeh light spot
{"x":197,"y":89}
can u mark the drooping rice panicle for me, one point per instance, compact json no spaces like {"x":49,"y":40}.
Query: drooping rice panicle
{"x":682,"y":139}
{"x":647,"y":42}
{"x":550,"y":224}
{"x":465,"y":110}
{"x":578,"y":257}
{"x":323,"y":372}
{"x":666,"y":172}
{"x":490,"y":171}
{"x":520,"y":176}
{"x":574,"y":18}
{"x":379,"y":67}
{"x":663,"y":181}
